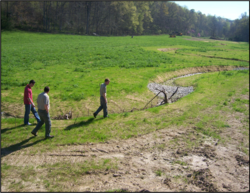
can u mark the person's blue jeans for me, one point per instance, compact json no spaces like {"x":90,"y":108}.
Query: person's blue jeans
{"x":29,"y":108}
{"x":102,"y":106}
{"x":45,"y":118}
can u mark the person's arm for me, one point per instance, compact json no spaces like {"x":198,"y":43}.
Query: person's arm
{"x":31,"y":102}
{"x":29,"y":98}
{"x":46,"y":108}
{"x":104,"y":96}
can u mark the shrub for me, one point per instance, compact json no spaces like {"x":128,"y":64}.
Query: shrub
{"x":77,"y":97}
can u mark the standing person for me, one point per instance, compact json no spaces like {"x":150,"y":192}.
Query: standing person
{"x":103,"y":99}
{"x":29,"y":105}
{"x":43,"y":111}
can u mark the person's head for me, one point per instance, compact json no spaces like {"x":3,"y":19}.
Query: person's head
{"x":107,"y":81}
{"x":32,"y":83}
{"x":46,"y":89}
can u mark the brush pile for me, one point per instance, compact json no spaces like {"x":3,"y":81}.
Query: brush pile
{"x":65,"y":116}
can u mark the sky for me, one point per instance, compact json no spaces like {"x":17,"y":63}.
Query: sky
{"x":226,"y":9}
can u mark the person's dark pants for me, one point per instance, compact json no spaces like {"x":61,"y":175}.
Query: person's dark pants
{"x":103,"y":106}
{"x":29,"y":108}
{"x":45,"y":118}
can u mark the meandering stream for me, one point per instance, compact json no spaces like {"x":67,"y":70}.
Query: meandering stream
{"x":170,"y":87}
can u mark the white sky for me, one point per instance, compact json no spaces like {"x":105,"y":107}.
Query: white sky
{"x":226,"y":9}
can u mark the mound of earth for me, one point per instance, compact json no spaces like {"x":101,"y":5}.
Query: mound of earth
{"x":167,"y":49}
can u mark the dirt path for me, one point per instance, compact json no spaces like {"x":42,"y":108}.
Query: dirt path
{"x":208,"y":40}
{"x":209,"y":167}
{"x":218,"y":57}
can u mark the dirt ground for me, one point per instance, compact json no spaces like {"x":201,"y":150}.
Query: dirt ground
{"x":167,"y":49}
{"x":211,"y":166}
{"x":208,"y":40}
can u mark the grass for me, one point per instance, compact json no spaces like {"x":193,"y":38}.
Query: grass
{"x":74,"y":67}
{"x":161,"y":146}
{"x":210,"y":109}
{"x":180,"y":162}
{"x":158,"y":173}
{"x":55,"y":177}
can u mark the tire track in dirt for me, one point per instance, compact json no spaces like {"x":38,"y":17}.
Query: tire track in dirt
{"x":87,"y":150}
{"x":121,"y":109}
{"x":139,"y":158}
{"x":219,"y":57}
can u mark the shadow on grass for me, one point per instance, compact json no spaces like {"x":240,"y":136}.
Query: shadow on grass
{"x":9,"y":129}
{"x":12,"y":148}
{"x":82,"y":123}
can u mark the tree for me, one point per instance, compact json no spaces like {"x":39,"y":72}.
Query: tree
{"x":213,"y":25}
{"x":118,"y":18}
{"x":143,"y":15}
{"x":239,"y":30}
{"x":226,"y":28}
{"x":126,"y":16}
{"x":88,"y":6}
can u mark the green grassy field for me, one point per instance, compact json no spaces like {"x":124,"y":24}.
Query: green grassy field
{"x":74,"y":66}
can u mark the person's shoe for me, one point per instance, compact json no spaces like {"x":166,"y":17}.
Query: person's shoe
{"x":49,"y":137}
{"x":33,"y":133}
{"x":106,"y":116}
{"x":94,"y":115}
{"x":29,"y":124}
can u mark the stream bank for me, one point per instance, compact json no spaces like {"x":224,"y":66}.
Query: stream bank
{"x":170,"y":87}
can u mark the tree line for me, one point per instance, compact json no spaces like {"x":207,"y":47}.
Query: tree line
{"x":119,"y":18}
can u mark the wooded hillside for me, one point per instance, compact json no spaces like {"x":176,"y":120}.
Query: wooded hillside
{"x":119,"y":18}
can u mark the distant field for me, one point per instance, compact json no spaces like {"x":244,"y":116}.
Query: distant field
{"x":74,"y":66}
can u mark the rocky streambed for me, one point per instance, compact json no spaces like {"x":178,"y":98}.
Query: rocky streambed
{"x":170,"y":87}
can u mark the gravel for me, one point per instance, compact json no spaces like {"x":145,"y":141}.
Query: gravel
{"x":170,"y":87}
{"x":241,"y":68}
{"x":182,"y":91}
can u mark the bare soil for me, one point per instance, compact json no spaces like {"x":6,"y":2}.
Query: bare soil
{"x":219,"y":57}
{"x":167,"y":49}
{"x":210,"y":166}
{"x":207,"y":40}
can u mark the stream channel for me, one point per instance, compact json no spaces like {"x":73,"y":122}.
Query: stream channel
{"x":170,"y":87}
